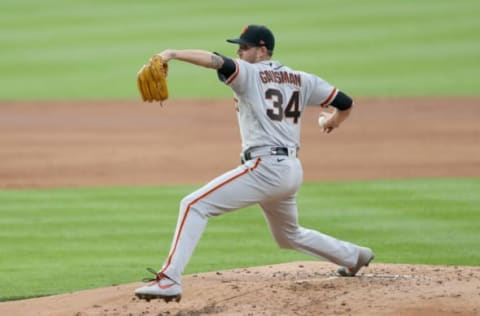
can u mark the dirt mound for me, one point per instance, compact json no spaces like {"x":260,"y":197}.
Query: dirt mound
{"x":300,"y":288}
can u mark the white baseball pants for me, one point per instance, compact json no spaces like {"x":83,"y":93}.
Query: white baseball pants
{"x":270,"y":181}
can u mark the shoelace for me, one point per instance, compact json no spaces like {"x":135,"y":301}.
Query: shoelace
{"x":158,"y":276}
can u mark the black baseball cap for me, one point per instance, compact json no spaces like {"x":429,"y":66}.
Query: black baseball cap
{"x":255,"y":35}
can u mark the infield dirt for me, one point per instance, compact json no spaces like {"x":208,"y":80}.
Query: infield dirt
{"x":80,"y":143}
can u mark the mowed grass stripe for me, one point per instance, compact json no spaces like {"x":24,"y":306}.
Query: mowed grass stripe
{"x":86,"y":50}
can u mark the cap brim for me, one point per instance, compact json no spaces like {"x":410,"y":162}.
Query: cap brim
{"x":240,"y":41}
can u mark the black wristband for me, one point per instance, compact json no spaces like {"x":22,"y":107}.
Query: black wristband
{"x":342,"y":101}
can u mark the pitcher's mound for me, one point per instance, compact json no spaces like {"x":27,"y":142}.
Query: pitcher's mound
{"x":300,"y":288}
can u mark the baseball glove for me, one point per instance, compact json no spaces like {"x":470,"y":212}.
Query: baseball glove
{"x":151,"y":80}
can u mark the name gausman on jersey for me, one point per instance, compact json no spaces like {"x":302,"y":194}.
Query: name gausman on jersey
{"x":280,"y":77}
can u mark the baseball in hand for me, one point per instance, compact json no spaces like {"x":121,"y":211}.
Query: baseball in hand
{"x":322,"y":119}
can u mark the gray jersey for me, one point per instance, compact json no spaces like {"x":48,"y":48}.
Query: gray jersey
{"x":270,"y":100}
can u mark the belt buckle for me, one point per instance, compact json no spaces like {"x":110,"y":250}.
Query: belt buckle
{"x":274,"y":151}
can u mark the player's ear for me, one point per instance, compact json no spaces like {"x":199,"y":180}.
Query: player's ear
{"x":264,"y":51}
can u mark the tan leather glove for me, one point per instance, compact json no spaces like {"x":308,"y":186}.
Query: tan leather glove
{"x":151,"y":80}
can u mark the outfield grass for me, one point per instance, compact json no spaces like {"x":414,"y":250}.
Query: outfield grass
{"x":60,"y":240}
{"x":90,"y":49}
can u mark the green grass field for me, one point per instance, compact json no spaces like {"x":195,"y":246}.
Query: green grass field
{"x":59,"y":240}
{"x":92,"y":49}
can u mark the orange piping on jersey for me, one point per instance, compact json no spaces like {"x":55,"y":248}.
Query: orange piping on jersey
{"x":330,"y":97}
{"x":235,"y":74}
{"x":169,"y":260}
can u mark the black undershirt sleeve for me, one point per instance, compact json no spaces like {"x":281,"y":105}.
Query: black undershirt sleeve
{"x":227,"y":69}
{"x":342,"y":101}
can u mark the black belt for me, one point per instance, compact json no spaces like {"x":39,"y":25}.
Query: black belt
{"x":274,"y":151}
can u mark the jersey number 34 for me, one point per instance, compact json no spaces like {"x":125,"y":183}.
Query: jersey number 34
{"x":292,"y":108}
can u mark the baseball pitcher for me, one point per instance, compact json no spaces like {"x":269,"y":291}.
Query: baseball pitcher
{"x":270,"y":101}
